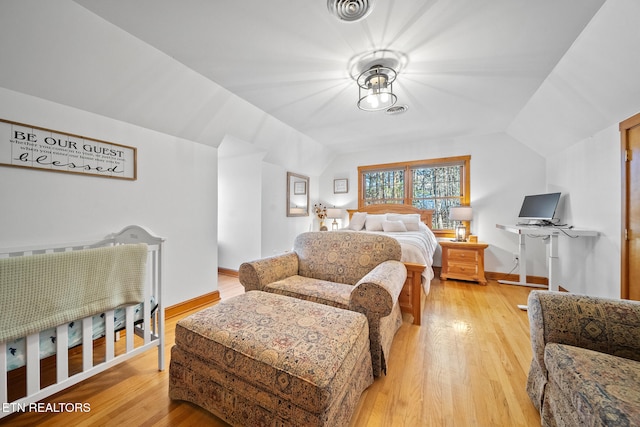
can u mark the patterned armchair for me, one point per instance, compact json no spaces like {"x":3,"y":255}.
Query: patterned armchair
{"x":351,"y":270}
{"x":586,"y":359}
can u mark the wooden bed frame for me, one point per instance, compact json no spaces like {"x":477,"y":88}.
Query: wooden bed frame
{"x":410,"y":298}
{"x":69,"y":361}
{"x":426,"y":215}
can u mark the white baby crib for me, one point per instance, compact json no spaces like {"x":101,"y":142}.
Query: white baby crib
{"x":145,"y":320}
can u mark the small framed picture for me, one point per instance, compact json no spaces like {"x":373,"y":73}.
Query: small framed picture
{"x":299,"y":187}
{"x":340,"y":186}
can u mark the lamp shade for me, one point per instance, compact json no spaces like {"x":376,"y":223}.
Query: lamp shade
{"x":460,"y":213}
{"x":334,"y":213}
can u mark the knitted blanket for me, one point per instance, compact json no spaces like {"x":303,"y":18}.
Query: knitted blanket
{"x":43,"y":291}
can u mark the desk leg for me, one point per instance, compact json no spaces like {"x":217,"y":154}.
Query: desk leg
{"x":554,"y":263}
{"x":522,"y":251}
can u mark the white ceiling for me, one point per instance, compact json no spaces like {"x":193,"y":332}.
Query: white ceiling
{"x":472,"y":64}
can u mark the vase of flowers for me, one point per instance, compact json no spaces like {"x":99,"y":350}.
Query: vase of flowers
{"x":321,"y":213}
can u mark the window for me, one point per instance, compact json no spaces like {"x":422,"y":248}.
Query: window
{"x":384,"y":186}
{"x":435,"y":184}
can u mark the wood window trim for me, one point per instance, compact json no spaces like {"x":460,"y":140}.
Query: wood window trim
{"x":408,"y":182}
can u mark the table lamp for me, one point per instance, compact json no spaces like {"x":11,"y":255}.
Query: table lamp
{"x":334,"y":213}
{"x":461,"y":213}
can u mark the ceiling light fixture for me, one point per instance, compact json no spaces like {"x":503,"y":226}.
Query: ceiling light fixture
{"x":375,"y":87}
{"x":350,"y":10}
{"x":374,"y":72}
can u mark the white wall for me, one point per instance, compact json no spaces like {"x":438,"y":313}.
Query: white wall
{"x":589,"y":173}
{"x":175,"y":195}
{"x":252,"y":205}
{"x":502,"y":171}
{"x":239,"y":207}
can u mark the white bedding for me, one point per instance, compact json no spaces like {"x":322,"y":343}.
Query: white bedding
{"x":417,"y":247}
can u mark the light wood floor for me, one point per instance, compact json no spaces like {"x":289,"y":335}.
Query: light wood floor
{"x":465,"y":366}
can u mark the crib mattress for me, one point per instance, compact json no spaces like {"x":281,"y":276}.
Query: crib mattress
{"x":16,"y":349}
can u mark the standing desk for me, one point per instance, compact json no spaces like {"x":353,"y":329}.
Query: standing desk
{"x":554,"y":261}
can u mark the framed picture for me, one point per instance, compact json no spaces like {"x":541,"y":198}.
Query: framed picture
{"x":299,"y":187}
{"x":340,"y":185}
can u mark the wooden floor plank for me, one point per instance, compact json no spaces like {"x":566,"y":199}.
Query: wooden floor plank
{"x":465,"y":366}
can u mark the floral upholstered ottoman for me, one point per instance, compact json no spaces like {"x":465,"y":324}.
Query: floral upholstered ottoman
{"x":266,"y":359}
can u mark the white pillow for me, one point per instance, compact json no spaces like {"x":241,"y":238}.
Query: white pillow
{"x":411,"y":221}
{"x":389,"y":226}
{"x":357,"y":221}
{"x":374,"y":222}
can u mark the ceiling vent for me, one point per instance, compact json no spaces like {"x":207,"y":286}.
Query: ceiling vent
{"x":397,"y":109}
{"x":350,"y":10}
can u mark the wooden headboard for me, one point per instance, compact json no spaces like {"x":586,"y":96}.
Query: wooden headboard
{"x":426,"y":215}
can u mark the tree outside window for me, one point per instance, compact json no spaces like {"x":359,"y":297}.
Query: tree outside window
{"x":386,"y":186}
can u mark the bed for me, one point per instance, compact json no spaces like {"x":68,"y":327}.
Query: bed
{"x":416,"y":239}
{"x":45,"y":361}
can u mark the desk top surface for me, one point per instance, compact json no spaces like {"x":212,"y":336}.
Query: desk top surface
{"x":546,"y":231}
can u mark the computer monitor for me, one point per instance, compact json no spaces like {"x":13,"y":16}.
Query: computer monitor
{"x":539,"y":208}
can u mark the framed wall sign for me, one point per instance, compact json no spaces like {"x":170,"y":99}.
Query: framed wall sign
{"x":28,"y":146}
{"x":340,"y":186}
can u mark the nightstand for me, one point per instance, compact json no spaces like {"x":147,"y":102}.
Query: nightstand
{"x":463,"y":261}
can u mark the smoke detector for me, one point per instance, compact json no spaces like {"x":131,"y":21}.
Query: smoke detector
{"x":350,"y":10}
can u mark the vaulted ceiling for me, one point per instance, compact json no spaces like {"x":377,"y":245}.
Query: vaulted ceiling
{"x":272,"y":77}
{"x":472,"y":65}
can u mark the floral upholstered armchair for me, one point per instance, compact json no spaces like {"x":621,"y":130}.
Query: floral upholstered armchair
{"x":351,"y":270}
{"x":586,"y":359}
